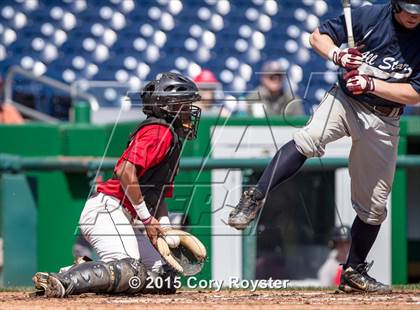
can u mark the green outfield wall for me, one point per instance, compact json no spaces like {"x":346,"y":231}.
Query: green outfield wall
{"x":40,"y":209}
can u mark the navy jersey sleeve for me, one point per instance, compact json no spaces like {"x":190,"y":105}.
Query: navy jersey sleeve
{"x":336,"y":29}
{"x":361,"y":18}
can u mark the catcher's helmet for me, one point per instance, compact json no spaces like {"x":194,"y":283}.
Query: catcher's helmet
{"x":170,"y":96}
{"x":410,"y":6}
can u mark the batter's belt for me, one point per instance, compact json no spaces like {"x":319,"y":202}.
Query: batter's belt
{"x":384,"y":111}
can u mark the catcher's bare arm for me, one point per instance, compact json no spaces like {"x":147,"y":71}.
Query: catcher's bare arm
{"x":127,"y":174}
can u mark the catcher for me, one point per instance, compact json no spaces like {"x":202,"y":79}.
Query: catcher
{"x":142,"y":178}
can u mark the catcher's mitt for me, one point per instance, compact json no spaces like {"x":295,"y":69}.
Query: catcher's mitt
{"x":188,"y":257}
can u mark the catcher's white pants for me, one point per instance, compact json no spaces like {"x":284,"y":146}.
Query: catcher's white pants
{"x":373,"y":153}
{"x":109,"y":228}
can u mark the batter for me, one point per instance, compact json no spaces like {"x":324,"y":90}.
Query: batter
{"x":378,"y":78}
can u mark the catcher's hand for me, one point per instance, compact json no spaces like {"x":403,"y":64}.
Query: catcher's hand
{"x":153,"y":229}
{"x":188,"y":257}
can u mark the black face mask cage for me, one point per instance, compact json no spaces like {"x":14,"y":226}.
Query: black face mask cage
{"x":185,"y":117}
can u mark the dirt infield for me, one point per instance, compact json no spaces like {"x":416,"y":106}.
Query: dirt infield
{"x":186,"y":300}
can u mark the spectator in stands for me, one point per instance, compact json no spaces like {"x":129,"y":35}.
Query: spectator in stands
{"x":330,"y":272}
{"x":210,"y":92}
{"x":8,"y":113}
{"x":272,"y":95}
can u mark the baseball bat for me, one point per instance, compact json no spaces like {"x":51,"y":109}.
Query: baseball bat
{"x":349,"y":24}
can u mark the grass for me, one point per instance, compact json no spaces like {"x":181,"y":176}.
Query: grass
{"x":17,"y":289}
{"x":413,"y":286}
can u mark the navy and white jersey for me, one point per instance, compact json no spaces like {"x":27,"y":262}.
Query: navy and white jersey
{"x":390,"y":53}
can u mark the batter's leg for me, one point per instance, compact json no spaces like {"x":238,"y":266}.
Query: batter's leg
{"x":363,"y":237}
{"x":372,"y":166}
{"x":328,"y":124}
{"x":372,"y":163}
{"x":287,"y":161}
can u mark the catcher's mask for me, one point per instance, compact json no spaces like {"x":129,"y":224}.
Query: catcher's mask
{"x":170,"y":96}
{"x":410,"y":6}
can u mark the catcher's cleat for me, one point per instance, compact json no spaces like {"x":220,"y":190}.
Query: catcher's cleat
{"x":37,"y":293}
{"x":247,"y":209}
{"x":358,"y":281}
{"x":170,"y":287}
{"x":55,"y":288}
{"x":40,"y":280}
{"x":165,"y":286}
{"x":50,"y":285}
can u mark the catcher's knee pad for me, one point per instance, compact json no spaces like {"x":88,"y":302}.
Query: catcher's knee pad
{"x":308,"y":143}
{"x":127,"y":269}
{"x":101,"y":277}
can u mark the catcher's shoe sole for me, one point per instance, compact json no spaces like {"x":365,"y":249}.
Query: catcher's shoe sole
{"x":50,"y":286}
{"x":167,"y":276}
{"x":37,"y":293}
{"x":55,"y":288}
{"x":40,"y":280}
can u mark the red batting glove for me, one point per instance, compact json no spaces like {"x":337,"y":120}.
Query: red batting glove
{"x":348,"y":58}
{"x":358,"y":83}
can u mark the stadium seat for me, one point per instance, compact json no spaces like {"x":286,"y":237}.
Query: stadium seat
{"x":92,"y":39}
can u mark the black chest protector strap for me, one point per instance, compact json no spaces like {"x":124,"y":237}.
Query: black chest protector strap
{"x":154,"y":182}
